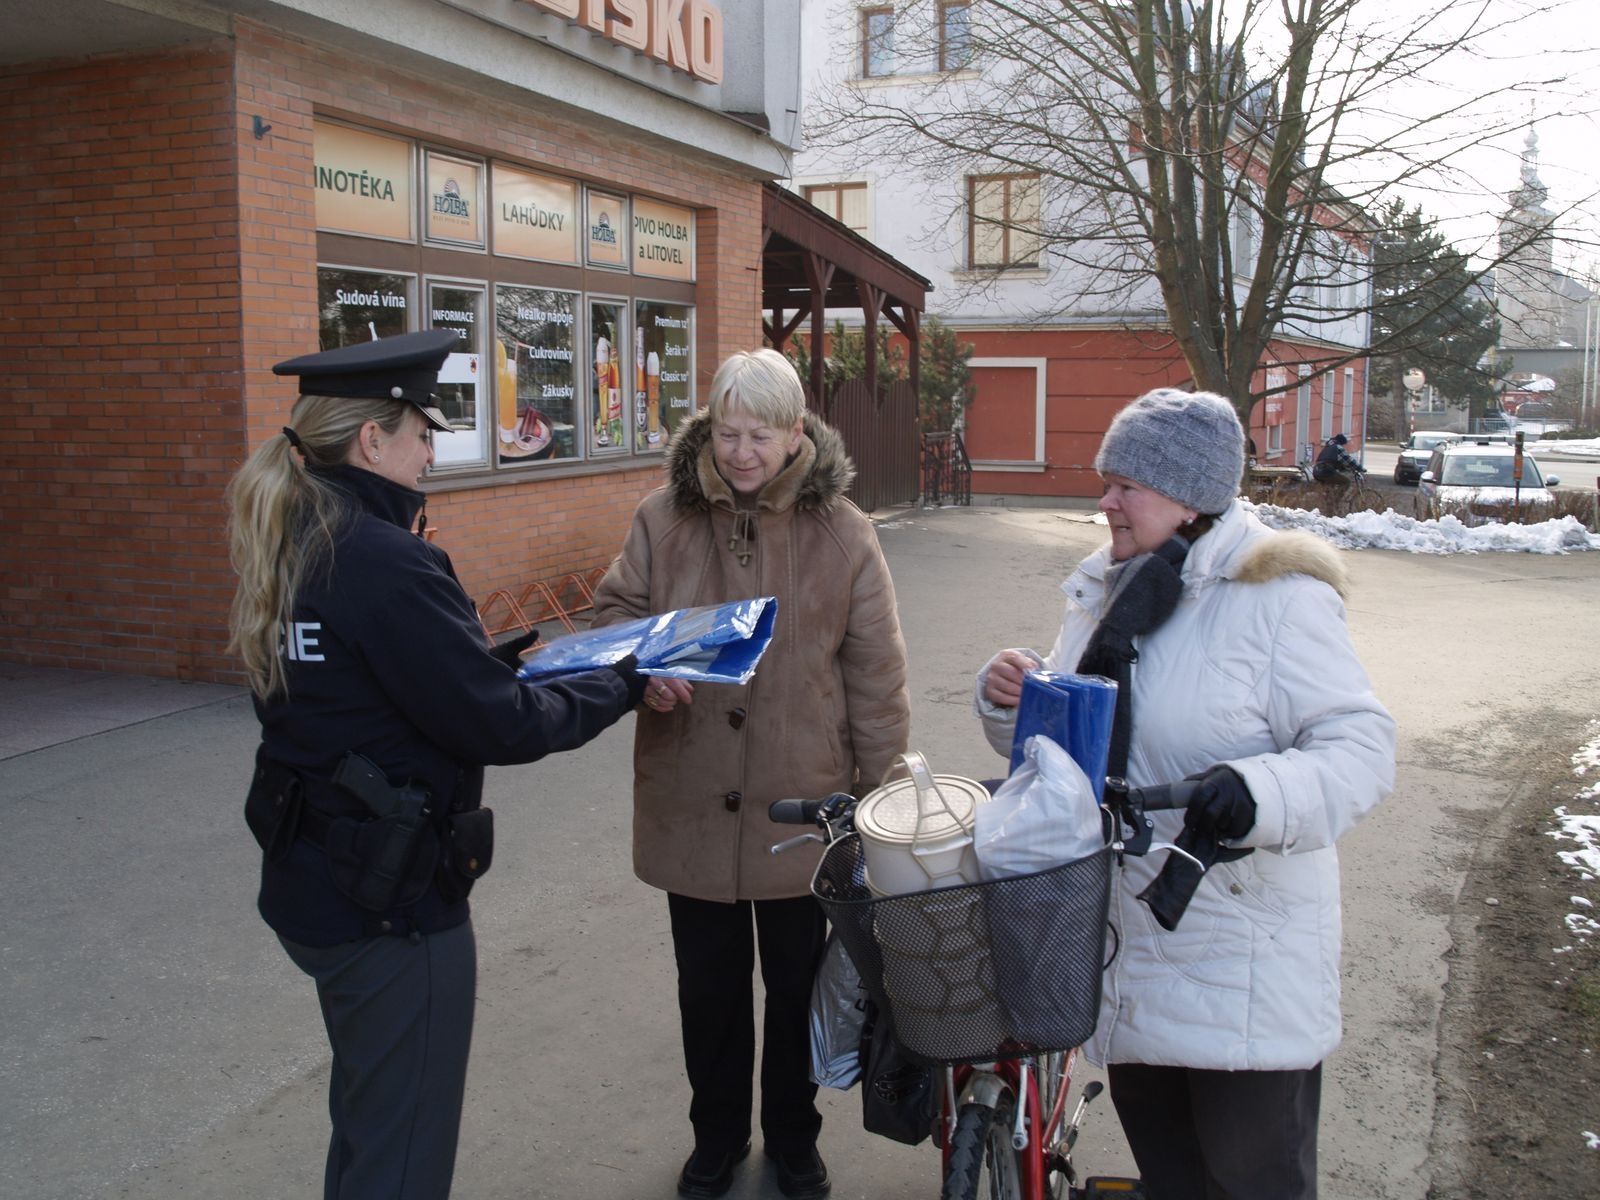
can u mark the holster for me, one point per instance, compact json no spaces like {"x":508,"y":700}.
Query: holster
{"x":273,"y":807}
{"x":389,"y":860}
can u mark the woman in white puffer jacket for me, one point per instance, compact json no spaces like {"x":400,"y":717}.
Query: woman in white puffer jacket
{"x":1214,"y":1033}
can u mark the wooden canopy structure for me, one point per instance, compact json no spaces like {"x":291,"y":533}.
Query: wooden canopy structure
{"x":810,"y":263}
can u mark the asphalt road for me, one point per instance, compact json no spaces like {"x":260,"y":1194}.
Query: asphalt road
{"x":157,"y":1044}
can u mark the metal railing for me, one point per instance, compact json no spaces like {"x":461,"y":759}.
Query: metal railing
{"x":946,"y":469}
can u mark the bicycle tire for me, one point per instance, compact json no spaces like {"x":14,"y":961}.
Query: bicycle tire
{"x":983,"y":1164}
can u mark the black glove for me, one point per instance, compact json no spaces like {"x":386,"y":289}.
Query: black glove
{"x":510,"y":652}
{"x":627,"y":671}
{"x":1221,"y":806}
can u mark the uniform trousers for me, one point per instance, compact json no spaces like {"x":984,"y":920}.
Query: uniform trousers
{"x":1220,"y":1135}
{"x":716,"y":948}
{"x":399,"y":1018}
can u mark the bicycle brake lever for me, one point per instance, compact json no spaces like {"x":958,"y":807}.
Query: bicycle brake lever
{"x":791,"y":843}
{"x":1134,"y":829}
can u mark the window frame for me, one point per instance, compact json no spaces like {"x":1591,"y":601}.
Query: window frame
{"x":809,"y":192}
{"x":946,"y":7}
{"x":1007,"y":225}
{"x":885,"y":40}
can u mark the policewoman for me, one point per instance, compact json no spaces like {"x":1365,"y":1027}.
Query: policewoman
{"x":380,"y":702}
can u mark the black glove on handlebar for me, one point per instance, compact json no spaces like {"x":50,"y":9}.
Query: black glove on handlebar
{"x":510,"y":652}
{"x":1221,"y":807}
{"x":626,"y":671}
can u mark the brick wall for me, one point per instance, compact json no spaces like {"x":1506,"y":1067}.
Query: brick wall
{"x":161,"y":257}
{"x":121,"y":339}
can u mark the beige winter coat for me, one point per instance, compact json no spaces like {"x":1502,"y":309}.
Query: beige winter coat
{"x":827,"y":710}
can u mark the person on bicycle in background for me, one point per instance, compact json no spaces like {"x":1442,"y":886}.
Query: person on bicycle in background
{"x":754,"y":505}
{"x":1214,"y":1033}
{"x":1335,"y":465}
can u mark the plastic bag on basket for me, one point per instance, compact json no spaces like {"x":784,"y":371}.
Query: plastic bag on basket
{"x":838,"y":1016}
{"x":899,"y":1095}
{"x":1044,"y":815}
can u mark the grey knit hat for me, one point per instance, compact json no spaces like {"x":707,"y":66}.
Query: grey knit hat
{"x":1186,"y":445}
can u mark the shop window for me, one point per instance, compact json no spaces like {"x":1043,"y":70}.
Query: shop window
{"x":562,"y":360}
{"x":663,"y":371}
{"x":461,"y":384}
{"x":1003,"y":220}
{"x":607,"y":357}
{"x":877,"y":42}
{"x":844,"y":202}
{"x":955,"y":35}
{"x":536,"y":374}
{"x":361,"y":306}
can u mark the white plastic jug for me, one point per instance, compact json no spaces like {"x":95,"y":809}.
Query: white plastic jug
{"x":916,"y":832}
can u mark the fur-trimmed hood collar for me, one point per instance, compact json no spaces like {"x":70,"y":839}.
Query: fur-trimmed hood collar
{"x":816,"y":477}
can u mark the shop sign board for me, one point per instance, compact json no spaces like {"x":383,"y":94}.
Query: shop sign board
{"x":607,"y":241}
{"x":454,"y":204}
{"x":686,"y":35}
{"x":535,"y":216}
{"x":663,"y":240}
{"x":363,"y":182}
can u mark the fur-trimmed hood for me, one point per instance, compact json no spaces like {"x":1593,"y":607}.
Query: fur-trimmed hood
{"x":816,"y":477}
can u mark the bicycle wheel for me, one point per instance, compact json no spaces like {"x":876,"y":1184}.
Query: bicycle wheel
{"x":983,"y":1165}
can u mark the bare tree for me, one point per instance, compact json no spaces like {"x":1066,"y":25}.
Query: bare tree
{"x":1204,"y":167}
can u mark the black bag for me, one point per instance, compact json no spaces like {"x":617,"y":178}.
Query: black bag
{"x":899,"y":1095}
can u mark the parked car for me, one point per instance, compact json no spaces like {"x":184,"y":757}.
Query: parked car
{"x":1415,"y":452}
{"x":1535,"y":418}
{"x":1474,"y":480}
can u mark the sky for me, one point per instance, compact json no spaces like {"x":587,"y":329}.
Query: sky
{"x":1533,"y":41}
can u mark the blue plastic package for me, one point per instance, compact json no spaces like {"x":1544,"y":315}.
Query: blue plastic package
{"x":716,"y":643}
{"x":1075,"y":712}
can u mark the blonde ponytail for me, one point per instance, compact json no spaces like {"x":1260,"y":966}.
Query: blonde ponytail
{"x":281,"y":523}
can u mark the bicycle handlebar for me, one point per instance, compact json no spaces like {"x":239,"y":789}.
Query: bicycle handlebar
{"x":794,"y":812}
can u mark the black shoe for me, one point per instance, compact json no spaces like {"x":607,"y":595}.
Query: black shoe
{"x":709,"y":1173}
{"x":802,"y":1175}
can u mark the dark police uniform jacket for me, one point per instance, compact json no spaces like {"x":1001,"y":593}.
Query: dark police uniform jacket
{"x":386,"y":657}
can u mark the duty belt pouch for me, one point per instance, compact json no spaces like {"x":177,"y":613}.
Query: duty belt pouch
{"x":272,"y":808}
{"x":472,"y":841}
{"x":468,"y":851}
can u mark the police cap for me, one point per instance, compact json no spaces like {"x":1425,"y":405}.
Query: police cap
{"x":403,"y":367}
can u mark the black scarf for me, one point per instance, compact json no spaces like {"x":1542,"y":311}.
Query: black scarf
{"x":1144,"y":594}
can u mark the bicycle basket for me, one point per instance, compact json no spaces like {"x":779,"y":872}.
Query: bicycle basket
{"x":979,"y":971}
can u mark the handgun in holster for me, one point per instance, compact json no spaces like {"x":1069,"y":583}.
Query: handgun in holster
{"x":398,"y":850}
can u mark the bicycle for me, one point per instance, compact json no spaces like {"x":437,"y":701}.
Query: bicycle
{"x":1005,"y":1056}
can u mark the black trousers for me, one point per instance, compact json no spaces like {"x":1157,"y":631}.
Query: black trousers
{"x":716,"y":949}
{"x":399,"y":1019}
{"x":1220,"y":1135}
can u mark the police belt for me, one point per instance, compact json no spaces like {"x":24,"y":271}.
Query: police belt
{"x":383,"y":859}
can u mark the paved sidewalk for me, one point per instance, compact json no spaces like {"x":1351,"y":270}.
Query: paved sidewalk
{"x":45,"y":706}
{"x":158,"y":1045}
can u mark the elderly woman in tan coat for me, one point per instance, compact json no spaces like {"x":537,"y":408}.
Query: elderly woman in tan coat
{"x":755,"y":506}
